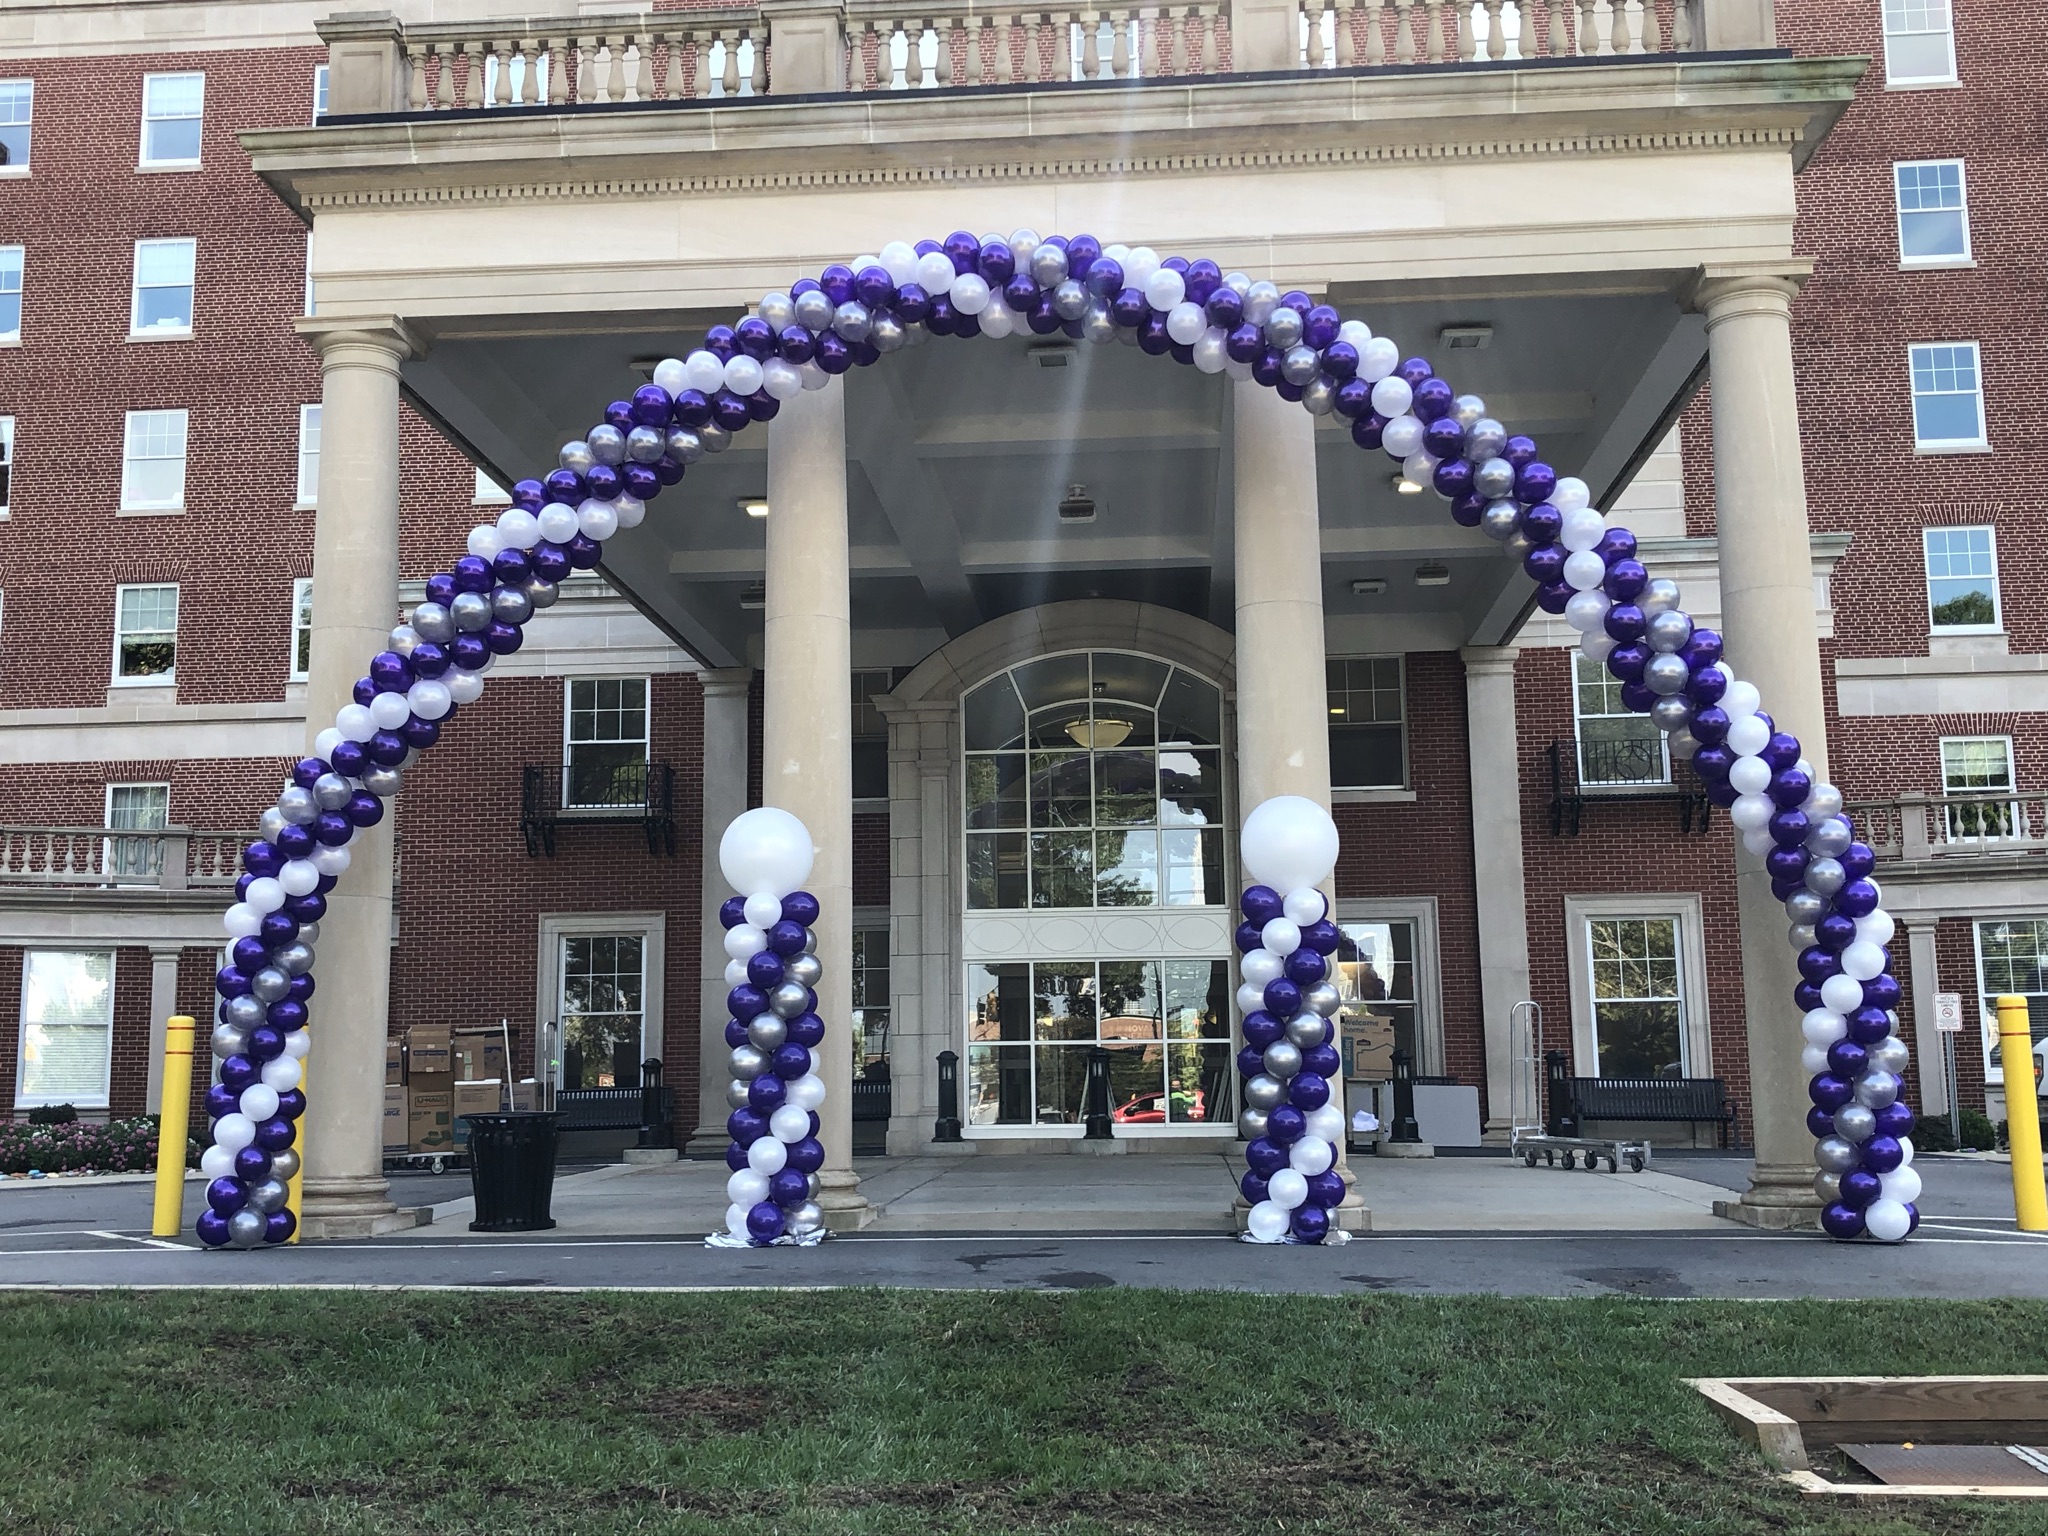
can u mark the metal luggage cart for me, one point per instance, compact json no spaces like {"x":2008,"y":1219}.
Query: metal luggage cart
{"x":453,"y":1160}
{"x":1529,"y":1135}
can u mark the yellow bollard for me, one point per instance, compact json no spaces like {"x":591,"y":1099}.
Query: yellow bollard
{"x":2022,"y":1114}
{"x":297,"y":1180}
{"x":172,"y":1128}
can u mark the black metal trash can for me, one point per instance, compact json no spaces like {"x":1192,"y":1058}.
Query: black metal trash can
{"x":512,"y":1169}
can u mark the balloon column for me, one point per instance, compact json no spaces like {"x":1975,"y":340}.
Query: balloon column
{"x":1217,"y":322}
{"x":1289,"y":1060}
{"x":775,"y":1089}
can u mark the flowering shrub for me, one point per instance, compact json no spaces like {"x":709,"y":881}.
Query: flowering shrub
{"x":120,"y":1146}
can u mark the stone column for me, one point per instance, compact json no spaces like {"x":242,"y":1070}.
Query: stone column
{"x":163,"y":1002}
{"x":1280,"y":749}
{"x":355,"y":605}
{"x":1492,"y":744}
{"x":1767,"y":611}
{"x":1929,"y":1050}
{"x":807,"y":733}
{"x":725,"y":796}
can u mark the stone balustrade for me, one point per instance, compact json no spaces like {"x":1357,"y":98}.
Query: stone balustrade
{"x":1341,"y":34}
{"x":975,"y":44}
{"x":164,"y":859}
{"x":1915,"y":827}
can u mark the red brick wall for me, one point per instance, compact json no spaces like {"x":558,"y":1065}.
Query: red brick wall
{"x":871,"y":859}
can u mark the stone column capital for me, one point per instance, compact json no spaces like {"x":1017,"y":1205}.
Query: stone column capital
{"x":725,"y":682}
{"x":164,"y":950}
{"x":1722,"y":291}
{"x":1489,"y":659}
{"x":360,"y":341}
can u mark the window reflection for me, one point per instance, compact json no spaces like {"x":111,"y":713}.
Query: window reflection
{"x":1376,"y":978}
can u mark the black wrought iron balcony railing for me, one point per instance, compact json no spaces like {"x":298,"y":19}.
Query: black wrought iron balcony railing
{"x":607,"y":794}
{"x":1619,"y":771}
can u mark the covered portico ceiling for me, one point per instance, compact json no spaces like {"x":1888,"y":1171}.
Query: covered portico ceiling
{"x":960,"y":453}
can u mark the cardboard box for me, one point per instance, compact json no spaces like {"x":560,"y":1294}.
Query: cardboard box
{"x":484,"y":1097}
{"x":397,"y":1129}
{"x":429,"y":1049}
{"x":479,"y":1055}
{"x":1368,"y":1046}
{"x":526,"y":1094}
{"x":394,"y":1061}
{"x":430,"y":1119}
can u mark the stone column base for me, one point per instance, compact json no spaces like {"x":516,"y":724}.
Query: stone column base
{"x":645,"y":1155}
{"x":1780,"y":1198}
{"x":846,"y":1208}
{"x":319,"y":1229}
{"x":1771,"y":1218}
{"x":711,"y":1143}
{"x":1404,"y":1149}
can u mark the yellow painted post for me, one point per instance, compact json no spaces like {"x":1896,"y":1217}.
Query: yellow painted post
{"x":172,"y":1127}
{"x":297,"y":1180}
{"x":2022,"y":1114}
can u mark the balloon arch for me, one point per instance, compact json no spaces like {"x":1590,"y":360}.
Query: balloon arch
{"x":851,"y":315}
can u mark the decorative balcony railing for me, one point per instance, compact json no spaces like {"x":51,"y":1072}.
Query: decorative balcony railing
{"x":1618,"y":772}
{"x":1916,"y":827}
{"x":585,"y":60}
{"x":84,"y":858}
{"x":624,"y":792}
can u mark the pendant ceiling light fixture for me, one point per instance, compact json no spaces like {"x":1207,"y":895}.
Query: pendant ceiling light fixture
{"x":1098,"y":733}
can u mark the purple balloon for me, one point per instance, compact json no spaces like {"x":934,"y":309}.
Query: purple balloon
{"x":1305,"y":967}
{"x":1251,"y":1061}
{"x":788,"y":1187}
{"x":1817,"y":965}
{"x":212,"y":1228}
{"x":1790,"y":864}
{"x":1869,"y":1025}
{"x":1781,"y":751}
{"x":1789,"y":788}
{"x":363,"y":809}
{"x":286,"y":1014}
{"x":252,"y":1165}
{"x":790,"y":1061}
{"x":1829,"y":1092}
{"x":807,"y":1156}
{"x":807,"y":1030}
{"x":277,"y":929}
{"x":1858,"y":898}
{"x":261,"y":859}
{"x":1819,"y":1123}
{"x":237,"y":1073}
{"x":735,"y":1156}
{"x":1282,"y":998}
{"x":1326,"y":1189}
{"x":1261,"y":904}
{"x":1432,"y":403}
{"x":222,"y":1100}
{"x":745,"y":1126}
{"x":735,"y":1033}
{"x":1286,"y":1124}
{"x":1261,"y":1029}
{"x":1895,"y":1119}
{"x":746,"y":1000}
{"x":764,"y":970}
{"x":227,"y":1195}
{"x":1247,"y":937}
{"x":1848,"y":1059}
{"x":295,"y":842}
{"x":800,"y":907}
{"x":249,"y":955}
{"x":277,"y":1133}
{"x":1308,"y":1091}
{"x":1712,"y":719}
{"x":1881,"y":1154}
{"x":1252,"y":1187}
{"x":279,"y":1226}
{"x":1790,"y":828}
{"x":1322,"y":936}
{"x":1265,"y":1156}
{"x":1311,"y":1223}
{"x":765,"y":1093}
{"x":764,"y":1222}
{"x":1841,"y":1221}
{"x":229,"y":981}
{"x":1859,"y":1187}
{"x":620,"y":412}
{"x":1857,"y":860}
{"x":390,"y":672}
{"x":787,"y":938}
{"x":732,"y":911}
{"x":1323,"y":1060}
{"x":301,"y":987}
{"x":1882,"y":991}
{"x":1834,"y":932}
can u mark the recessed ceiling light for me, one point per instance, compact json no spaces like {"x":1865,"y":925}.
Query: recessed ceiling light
{"x":1077,"y":506}
{"x":754,"y":506}
{"x":1052,"y":354}
{"x":754,"y":595}
{"x":1466,"y":338}
{"x":1432,"y":575}
{"x":1405,"y":486}
{"x":1369,"y":586}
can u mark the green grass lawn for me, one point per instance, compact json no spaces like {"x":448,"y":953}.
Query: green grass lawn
{"x":909,"y":1412}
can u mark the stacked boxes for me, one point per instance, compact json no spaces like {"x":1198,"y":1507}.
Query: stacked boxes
{"x":430,"y":1089}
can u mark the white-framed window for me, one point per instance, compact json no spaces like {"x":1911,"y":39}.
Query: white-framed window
{"x":870,"y":1016}
{"x":1962,"y":580}
{"x":604,"y":745}
{"x":1948,"y":396}
{"x":173,"y":108}
{"x":1637,"y":965}
{"x":319,"y":92}
{"x":1919,"y":43}
{"x":6,"y":464}
{"x":136,"y":808}
{"x":1934,"y":213}
{"x":489,"y":493}
{"x":1616,"y":745}
{"x":17,"y":113}
{"x":309,"y":456}
{"x":1386,"y":969}
{"x":153,"y":462}
{"x":600,"y":982}
{"x":146,"y":633}
{"x":1368,"y":722}
{"x":1978,"y":769}
{"x":2012,"y":958}
{"x":67,"y":1027}
{"x":13,"y":258}
{"x":302,"y":628}
{"x":309,"y":273}
{"x":164,"y":274}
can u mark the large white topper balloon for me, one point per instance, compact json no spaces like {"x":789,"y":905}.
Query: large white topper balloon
{"x":1289,"y":842}
{"x":765,"y":849}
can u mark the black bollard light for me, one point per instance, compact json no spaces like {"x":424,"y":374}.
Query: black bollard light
{"x":1562,"y":1118}
{"x":948,"y":1126}
{"x":1406,"y":1129}
{"x":654,"y":1130}
{"x":1097,"y":1096}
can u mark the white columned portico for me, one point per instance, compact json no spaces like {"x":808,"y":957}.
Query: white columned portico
{"x":1492,"y":743}
{"x":1930,"y":1051}
{"x":724,"y":797}
{"x":807,"y":730}
{"x":1766,"y":563}
{"x":355,"y":604}
{"x":1279,"y":576}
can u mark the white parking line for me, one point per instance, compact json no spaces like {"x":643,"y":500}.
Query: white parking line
{"x":147,"y":1242}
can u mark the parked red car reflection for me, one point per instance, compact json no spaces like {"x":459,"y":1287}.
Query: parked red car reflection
{"x":1150,"y":1109}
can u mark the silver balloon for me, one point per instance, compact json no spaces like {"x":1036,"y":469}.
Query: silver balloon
{"x":1306,"y":1030}
{"x":1484,"y":440}
{"x":748,"y":1063}
{"x":886,"y":332}
{"x":1801,"y":936}
{"x":285,"y":1164}
{"x":1890,"y":1055}
{"x":576,"y":456}
{"x":229,"y":1040}
{"x":270,"y":823}
{"x":1283,"y":1058}
{"x":806,"y":1219}
{"x":766,"y":1032}
{"x":1251,"y":1123}
{"x":813,"y":310}
{"x":1284,"y":328}
{"x":331,"y":792}
{"x":1826,"y":876}
{"x":1070,"y":300}
{"x":778,"y":310}
{"x":1468,"y":411}
{"x":789,"y":1000}
{"x":1807,"y":907}
{"x":540,"y":591}
{"x":1830,"y":839}
{"x":1672,"y":713}
{"x":1876,"y":1089}
{"x":1237,"y":283}
{"x":270,"y":985}
{"x":1824,"y":803}
{"x":245,"y":1228}
{"x":1665,"y":674}
{"x":810,"y":941}
{"x":1098,"y":326}
{"x":294,"y":959}
{"x":1683,"y":743}
{"x":1494,"y":479}
{"x":1319,"y":396}
{"x":404,"y":640}
{"x":433,"y":622}
{"x":510,"y":605}
{"x":804,"y":970}
{"x":1836,"y":1154}
{"x":607,"y":444}
{"x":297,"y":805}
{"x":644,"y":445}
{"x":1856,"y":1122}
{"x":851,"y":321}
{"x":1264,"y":1091}
{"x":1516,"y":546}
{"x":1324,"y":999}
{"x":1669,"y":630}
{"x":1022,"y":243}
{"x":1048,"y":266}
{"x":1828,"y":1186}
{"x":736,"y":1093}
{"x":268,"y":1196}
{"x":684,"y":446}
{"x":471,"y":612}
{"x":309,"y":934}
{"x":1498,"y":521}
{"x":244,"y":1012}
{"x":716,"y":439}
{"x":1300,"y":364}
{"x":381,"y":781}
{"x":1660,"y":595}
{"x":812,"y":1186}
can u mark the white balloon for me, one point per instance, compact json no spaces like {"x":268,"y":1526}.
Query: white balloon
{"x":1813,"y":1060}
{"x":1288,"y":842}
{"x":355,"y":722}
{"x":217,"y":1163}
{"x":1758,"y":840}
{"x":297,"y":1044}
{"x":1571,"y":494}
{"x":1887,"y":1220}
{"x":1305,"y":906}
{"x":1401,"y":436}
{"x":1185,"y":322}
{"x":1586,"y":609}
{"x":282,"y":1073}
{"x":1748,"y":736}
{"x":1901,"y":1184}
{"x":1750,"y":775}
{"x":1841,"y":994}
{"x":330,"y":861}
{"x":259,"y":1101}
{"x":1583,"y":573}
{"x":1752,"y":813}
{"x":428,"y":698}
{"x":768,"y":1154}
{"x":783,"y":380}
{"x":598,"y":519}
{"x":735,"y":972}
{"x":234,"y":1132}
{"x":736,"y":1220}
{"x":1877,"y":927}
{"x":742,"y":374}
{"x":1211,"y":355}
{"x":1582,"y":530}
{"x":1392,"y":396}
{"x":1165,"y":290}
{"x":1906,"y":1147}
{"x":1139,"y":267}
{"x":1287,"y":1189}
{"x":1823,"y":1026}
{"x":1326,"y":1123}
{"x":465,"y":687}
{"x":743,"y":940}
{"x":1267,"y":1221}
{"x":935,"y":272}
{"x":807,"y":1092}
{"x":1251,"y":997}
{"x":998,"y":319}
{"x":763,"y":910}
{"x":748,"y":1186}
{"x":242,"y":921}
{"x":815,"y":378}
{"x":1863,"y":960}
{"x":1280,"y":937}
{"x":325,"y":743}
{"x":390,"y":711}
{"x":1378,"y":358}
{"x":899,"y":260}
{"x":630,"y":511}
{"x":1419,"y":468}
{"x":789,"y":1124}
{"x":1310,"y":1156}
{"x":298,"y":877}
{"x":1260,"y":966}
{"x":1354,"y":332}
{"x":705,"y":371}
{"x":670,"y":374}
{"x":264,"y":894}
{"x":1741,"y":699}
{"x":1597,"y":644}
{"x":766,"y":849}
{"x":558,"y":522}
{"x":970,"y":293}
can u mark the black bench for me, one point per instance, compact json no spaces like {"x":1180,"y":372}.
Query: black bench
{"x":1671,"y":1099}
